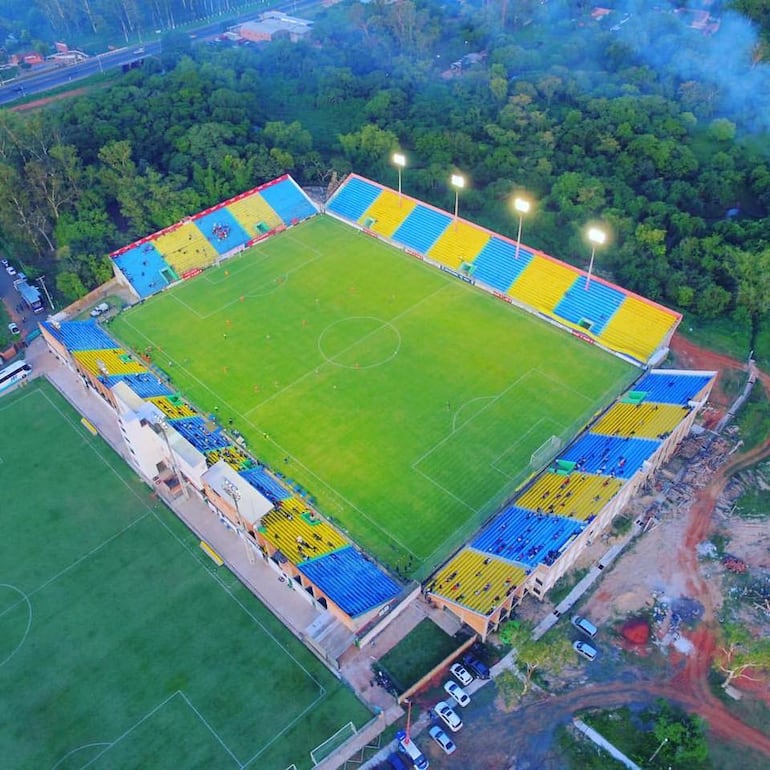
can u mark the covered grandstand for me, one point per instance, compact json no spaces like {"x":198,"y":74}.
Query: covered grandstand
{"x":197,"y":242}
{"x":538,"y":535}
{"x":596,"y":310}
{"x":175,"y":447}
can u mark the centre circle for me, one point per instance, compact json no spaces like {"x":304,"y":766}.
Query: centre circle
{"x":359,"y":342}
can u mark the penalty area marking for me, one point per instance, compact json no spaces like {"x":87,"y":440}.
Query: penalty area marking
{"x":24,"y":598}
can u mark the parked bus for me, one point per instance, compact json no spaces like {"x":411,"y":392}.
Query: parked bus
{"x":30,"y":295}
{"x":14,"y":373}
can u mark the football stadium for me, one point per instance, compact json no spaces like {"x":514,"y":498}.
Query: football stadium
{"x":374,"y":394}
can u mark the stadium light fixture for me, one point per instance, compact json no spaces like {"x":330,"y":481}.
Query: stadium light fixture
{"x":598,"y":237}
{"x":458,"y":182}
{"x":522,"y":205}
{"x":399,"y":161}
{"x":235,"y":494}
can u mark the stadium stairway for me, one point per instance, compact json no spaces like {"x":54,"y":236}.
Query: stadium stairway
{"x":497,"y":264}
{"x":477,"y":580}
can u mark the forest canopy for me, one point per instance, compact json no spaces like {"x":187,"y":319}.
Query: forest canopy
{"x":652,"y":128}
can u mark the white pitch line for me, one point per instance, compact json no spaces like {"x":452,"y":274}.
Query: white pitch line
{"x":211,"y":729}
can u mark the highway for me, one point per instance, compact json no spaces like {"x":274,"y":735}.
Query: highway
{"x":49,"y":79}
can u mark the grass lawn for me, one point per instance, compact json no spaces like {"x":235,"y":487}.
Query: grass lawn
{"x":121,"y":644}
{"x":408,"y":403}
{"x":417,"y":653}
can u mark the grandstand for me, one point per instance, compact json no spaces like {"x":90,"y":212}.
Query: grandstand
{"x":537,"y":536}
{"x":195,"y":243}
{"x":620,"y":321}
{"x":294,"y":536}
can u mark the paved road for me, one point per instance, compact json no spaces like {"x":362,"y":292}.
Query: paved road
{"x":25,"y":318}
{"x":49,"y":79}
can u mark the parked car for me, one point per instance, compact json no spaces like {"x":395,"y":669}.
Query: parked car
{"x":10,"y":269}
{"x":443,"y":740}
{"x":407,"y":746}
{"x":460,"y":696}
{"x":448,"y":716}
{"x":476,"y":667}
{"x":13,"y":329}
{"x":4,"y":262}
{"x":585,"y":649}
{"x":461,"y":674}
{"x":102,"y":307}
{"x":585,"y":625}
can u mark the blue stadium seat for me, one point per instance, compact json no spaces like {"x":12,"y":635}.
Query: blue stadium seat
{"x":194,"y":430}
{"x":145,"y":385}
{"x":353,"y":198}
{"x":288,"y":201}
{"x":590,"y":307}
{"x":81,"y":335}
{"x":526,"y":537}
{"x":221,"y":229}
{"x":145,"y":268}
{"x":672,"y":388}
{"x":609,"y":455}
{"x":264,"y":483}
{"x":422,"y":228}
{"x":353,"y":582}
{"x":497,"y":264}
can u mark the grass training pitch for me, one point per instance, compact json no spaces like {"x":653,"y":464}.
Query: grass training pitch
{"x":407,"y":402}
{"x":121,"y":644}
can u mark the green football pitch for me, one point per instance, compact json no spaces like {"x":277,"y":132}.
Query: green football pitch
{"x":121,"y":644}
{"x":406,"y":402}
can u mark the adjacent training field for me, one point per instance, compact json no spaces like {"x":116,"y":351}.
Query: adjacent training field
{"x":406,"y":401}
{"x":121,"y":644}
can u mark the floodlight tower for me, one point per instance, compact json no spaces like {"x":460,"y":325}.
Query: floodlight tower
{"x":522,"y":205}
{"x":598,"y":237}
{"x":458,"y":182}
{"x":399,"y":161}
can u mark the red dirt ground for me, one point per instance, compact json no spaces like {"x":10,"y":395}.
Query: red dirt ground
{"x":690,"y":685}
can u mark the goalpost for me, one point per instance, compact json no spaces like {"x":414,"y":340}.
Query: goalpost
{"x":545,"y":452}
{"x":330,"y":745}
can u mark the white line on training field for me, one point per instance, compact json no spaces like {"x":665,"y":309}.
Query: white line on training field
{"x":327,"y":363}
{"x":194,"y":553}
{"x":285,"y":729}
{"x":80,"y":748}
{"x":133,"y":727}
{"x":211,"y":729}
{"x":23,"y":639}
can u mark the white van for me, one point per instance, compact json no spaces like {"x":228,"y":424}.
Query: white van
{"x":585,"y":625}
{"x":407,"y":746}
